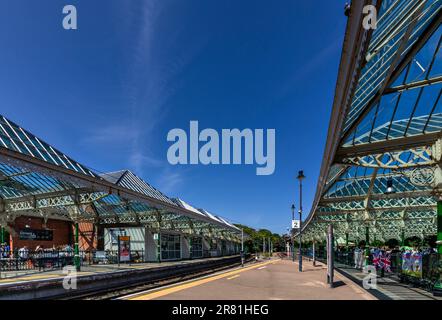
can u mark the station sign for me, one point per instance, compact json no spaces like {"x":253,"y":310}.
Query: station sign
{"x":36,"y":235}
{"x":296,"y":224}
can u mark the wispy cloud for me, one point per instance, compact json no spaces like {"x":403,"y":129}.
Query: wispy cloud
{"x":151,"y":79}
{"x":170,"y":181}
{"x":116,"y":133}
{"x":304,"y":68}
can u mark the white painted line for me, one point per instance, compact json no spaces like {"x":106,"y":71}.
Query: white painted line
{"x":262,"y":268}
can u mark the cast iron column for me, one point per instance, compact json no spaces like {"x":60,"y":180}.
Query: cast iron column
{"x":76,"y":248}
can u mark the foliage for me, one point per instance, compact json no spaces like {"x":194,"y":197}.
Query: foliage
{"x":254,"y":241}
{"x":377,"y":243}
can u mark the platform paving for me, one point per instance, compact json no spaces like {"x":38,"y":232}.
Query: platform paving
{"x":265,"y":280}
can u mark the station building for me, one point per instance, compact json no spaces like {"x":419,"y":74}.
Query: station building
{"x":49,"y":199}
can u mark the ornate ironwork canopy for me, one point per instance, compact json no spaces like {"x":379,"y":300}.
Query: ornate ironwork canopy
{"x":38,"y":180}
{"x":382,"y":163}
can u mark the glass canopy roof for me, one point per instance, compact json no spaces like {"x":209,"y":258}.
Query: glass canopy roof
{"x":38,"y":180}
{"x":381,"y":168}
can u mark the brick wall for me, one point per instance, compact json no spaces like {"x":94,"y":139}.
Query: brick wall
{"x":87,"y":236}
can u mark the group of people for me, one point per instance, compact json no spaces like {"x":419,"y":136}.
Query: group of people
{"x":384,"y":257}
{"x":39,"y":257}
{"x":4,"y":250}
{"x":40,"y":252}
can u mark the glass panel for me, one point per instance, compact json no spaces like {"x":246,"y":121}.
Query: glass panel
{"x":170,"y":246}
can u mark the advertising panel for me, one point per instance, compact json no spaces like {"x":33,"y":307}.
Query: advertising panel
{"x":124,"y":248}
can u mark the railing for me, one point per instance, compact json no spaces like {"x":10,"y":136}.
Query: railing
{"x":22,"y":260}
{"x":111,"y":257}
{"x":419,"y":269}
{"x":41,"y":260}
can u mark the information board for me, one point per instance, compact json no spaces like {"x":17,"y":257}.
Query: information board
{"x":38,"y":235}
{"x":124,"y":248}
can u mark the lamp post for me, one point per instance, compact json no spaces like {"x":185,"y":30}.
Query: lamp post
{"x":242,"y":247}
{"x":292,"y":233}
{"x":300,"y":178}
{"x":263,"y":246}
{"x":270,"y":247}
{"x":390,"y":188}
{"x":288,"y":245}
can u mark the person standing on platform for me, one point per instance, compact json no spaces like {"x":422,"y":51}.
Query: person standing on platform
{"x":39,"y":254}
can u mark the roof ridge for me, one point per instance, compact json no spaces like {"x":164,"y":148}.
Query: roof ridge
{"x":33,"y":144}
{"x":122,"y":176}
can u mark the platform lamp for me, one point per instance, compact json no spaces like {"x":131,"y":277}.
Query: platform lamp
{"x":242,"y":247}
{"x":390,"y":188}
{"x":300,"y":178}
{"x":292,"y":233}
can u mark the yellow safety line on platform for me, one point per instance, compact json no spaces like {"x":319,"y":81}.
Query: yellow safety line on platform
{"x":39,"y":277}
{"x":233,"y":277}
{"x":195,"y":283}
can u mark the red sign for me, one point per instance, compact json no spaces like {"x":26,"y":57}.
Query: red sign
{"x":124,"y":248}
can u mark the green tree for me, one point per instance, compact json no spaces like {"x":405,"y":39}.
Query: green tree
{"x":253,"y":242}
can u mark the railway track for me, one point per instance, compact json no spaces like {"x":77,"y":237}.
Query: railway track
{"x":133,"y":288}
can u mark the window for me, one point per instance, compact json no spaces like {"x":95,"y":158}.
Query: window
{"x":170,"y":246}
{"x":213,"y":245}
{"x":196,"y":244}
{"x":223,"y":247}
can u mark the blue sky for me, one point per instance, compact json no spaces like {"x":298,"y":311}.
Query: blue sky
{"x":108,"y":93}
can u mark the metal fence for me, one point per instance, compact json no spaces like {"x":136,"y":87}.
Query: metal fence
{"x":419,"y":269}
{"x":111,"y":257}
{"x":19,"y":260}
{"x":48,"y":259}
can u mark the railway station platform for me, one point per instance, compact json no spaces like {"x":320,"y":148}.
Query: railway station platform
{"x":275,"y":279}
{"x":387,"y":287}
{"x":49,"y":284}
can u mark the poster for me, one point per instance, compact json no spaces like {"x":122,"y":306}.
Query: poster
{"x":412,"y":263}
{"x":124,"y":248}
